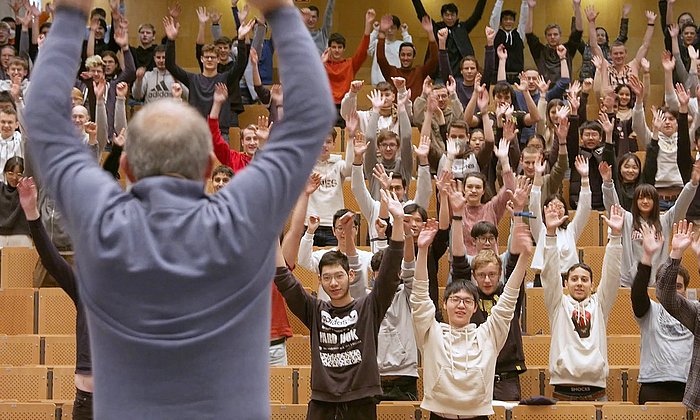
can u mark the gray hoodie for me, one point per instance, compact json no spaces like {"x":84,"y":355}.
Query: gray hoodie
{"x":156,"y":84}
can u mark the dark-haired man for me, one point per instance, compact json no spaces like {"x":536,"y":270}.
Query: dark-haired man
{"x":345,"y":376}
{"x":320,"y":36}
{"x":458,"y":43}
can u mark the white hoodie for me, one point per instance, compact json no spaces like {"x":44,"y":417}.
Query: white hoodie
{"x":578,"y":353}
{"x":459,"y":364}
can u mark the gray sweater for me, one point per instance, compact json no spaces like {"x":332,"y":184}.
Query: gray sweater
{"x":176,"y":283}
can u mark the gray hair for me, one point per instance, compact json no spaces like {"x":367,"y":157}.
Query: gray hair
{"x":168,"y":138}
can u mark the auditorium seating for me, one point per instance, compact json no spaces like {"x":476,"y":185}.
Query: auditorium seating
{"x":27,"y":410}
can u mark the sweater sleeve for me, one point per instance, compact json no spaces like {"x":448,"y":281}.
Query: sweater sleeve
{"x":639,"y":124}
{"x":406,"y":134}
{"x":387,"y":279}
{"x":535,"y":207}
{"x":234,"y":75}
{"x":609,"y":195}
{"x":460,"y":268}
{"x":362,"y":195}
{"x":171,"y":65}
{"x":551,"y":278}
{"x":360,"y":54}
{"x":640,"y":297}
{"x":300,"y":302}
{"x":685,"y":311}
{"x":583,"y":211}
{"x":422,"y":311}
{"x":424,"y":186}
{"x":221,"y":148}
{"x":52,"y":260}
{"x":683,"y":155}
{"x":498,"y":323}
{"x":610,"y":281}
{"x":388,"y":71}
{"x":305,"y":256}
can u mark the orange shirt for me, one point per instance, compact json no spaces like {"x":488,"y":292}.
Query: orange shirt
{"x":341,"y":73}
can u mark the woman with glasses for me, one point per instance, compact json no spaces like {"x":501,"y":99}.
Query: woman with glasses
{"x":567,"y":233}
{"x":14,"y":230}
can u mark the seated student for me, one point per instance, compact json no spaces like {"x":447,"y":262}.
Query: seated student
{"x":156,"y":83}
{"x":491,"y":272}
{"x":10,"y":139}
{"x":328,"y":197}
{"x":578,"y":356}
{"x":469,"y":76}
{"x":345,"y":235}
{"x":510,"y":36}
{"x":387,"y":110}
{"x":435,"y":109}
{"x":345,"y":377}
{"x":682,"y":309}
{"x":674,"y":163}
{"x":341,"y":71}
{"x":646,"y":211}
{"x":667,"y":345}
{"x":18,"y":83}
{"x":459,"y":358}
{"x":396,"y":183}
{"x":391,"y":46}
{"x":414,"y":76}
{"x":14,"y":230}
{"x":251,"y":136}
{"x":59,"y":268}
{"x":465,"y":152}
{"x":534,"y":164}
{"x":202,"y":85}
{"x":220,"y":176}
{"x":591,"y":146}
{"x":395,"y":147}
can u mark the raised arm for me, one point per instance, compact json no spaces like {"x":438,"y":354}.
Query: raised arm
{"x":54,"y":263}
{"x":328,"y":17}
{"x":299,"y":301}
{"x":648,"y":35}
{"x":591,"y":15}
{"x":422,"y":307}
{"x":292,"y":238}
{"x":678,"y":306}
{"x":652,"y":243}
{"x":222,"y":150}
{"x":610,"y":280}
{"x":172,"y":28}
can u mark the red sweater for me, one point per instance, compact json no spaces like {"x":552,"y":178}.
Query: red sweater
{"x":415,"y":75}
{"x":231,"y":158}
{"x":341,"y":73}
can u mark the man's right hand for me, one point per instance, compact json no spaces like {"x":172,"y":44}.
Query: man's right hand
{"x":171,"y":27}
{"x":220,"y":93}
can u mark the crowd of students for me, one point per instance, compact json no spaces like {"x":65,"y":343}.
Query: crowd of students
{"x":498,"y":137}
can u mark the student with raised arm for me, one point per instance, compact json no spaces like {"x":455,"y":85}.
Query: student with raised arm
{"x":414,"y":76}
{"x":578,"y":353}
{"x":459,"y":358}
{"x":203,"y":85}
{"x":345,"y":377}
{"x":510,"y":36}
{"x":545,"y":56}
{"x":480,"y":206}
{"x":142,"y":328}
{"x":394,"y":182}
{"x":666,"y":344}
{"x":684,"y":310}
{"x":646,"y":211}
{"x":392,"y":45}
{"x":251,"y":136}
{"x":567,"y":233}
{"x":490,"y":273}
{"x":395,"y":147}
{"x":391,"y":91}
{"x":620,"y":70}
{"x":310,"y":16}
